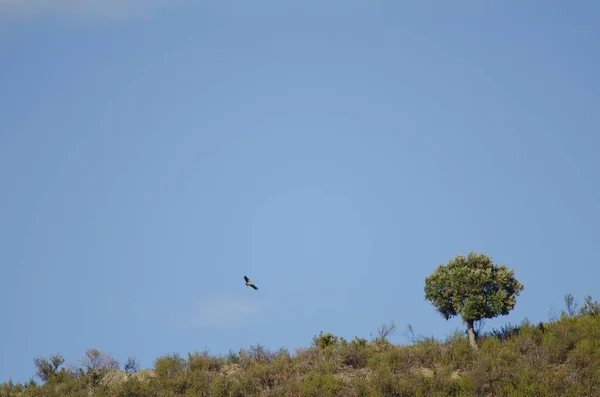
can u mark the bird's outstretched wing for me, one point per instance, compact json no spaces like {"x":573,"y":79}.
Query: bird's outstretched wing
{"x":249,"y":283}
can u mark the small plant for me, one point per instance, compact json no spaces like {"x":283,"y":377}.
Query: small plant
{"x":505,"y":332}
{"x":409,"y":333}
{"x":355,"y":354}
{"x":384,"y":332}
{"x":323,"y":341}
{"x":232,"y":357}
{"x":260,"y":353}
{"x":590,"y":308}
{"x":131,"y":366}
{"x":203,"y":362}
{"x":95,"y":360}
{"x":570,"y":305}
{"x":168,"y":367}
{"x":47,"y":368}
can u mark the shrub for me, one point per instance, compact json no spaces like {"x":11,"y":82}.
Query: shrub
{"x":354,"y":354}
{"x":323,"y":341}
{"x":204,"y":362}
{"x":590,"y":308}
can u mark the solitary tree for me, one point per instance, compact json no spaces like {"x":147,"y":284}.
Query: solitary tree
{"x":474,"y":288}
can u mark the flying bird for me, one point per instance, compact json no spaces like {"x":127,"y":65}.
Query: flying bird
{"x":249,"y":283}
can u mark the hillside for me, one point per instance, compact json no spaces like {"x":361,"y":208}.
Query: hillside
{"x":557,"y":358}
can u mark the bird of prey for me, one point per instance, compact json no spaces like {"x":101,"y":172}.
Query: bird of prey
{"x":249,"y":283}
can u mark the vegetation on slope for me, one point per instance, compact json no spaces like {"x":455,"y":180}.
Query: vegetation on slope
{"x":557,"y":358}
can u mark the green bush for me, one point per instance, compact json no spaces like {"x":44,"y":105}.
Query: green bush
{"x":323,"y":341}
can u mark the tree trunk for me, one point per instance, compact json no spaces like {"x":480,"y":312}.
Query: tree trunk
{"x":471,"y":330}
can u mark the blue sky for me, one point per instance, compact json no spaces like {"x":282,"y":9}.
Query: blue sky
{"x":334,"y":151}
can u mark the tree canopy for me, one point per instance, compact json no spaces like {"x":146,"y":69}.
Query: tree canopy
{"x":474,"y":288}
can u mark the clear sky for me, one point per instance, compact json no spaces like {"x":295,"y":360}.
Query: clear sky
{"x":336,"y":152}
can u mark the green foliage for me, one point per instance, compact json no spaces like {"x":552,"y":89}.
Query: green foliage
{"x":169,"y":366}
{"x":233,"y":357}
{"x":133,"y":387}
{"x":505,"y":332}
{"x":355,"y":353}
{"x":321,"y":384}
{"x":323,"y":341}
{"x":472,"y":287}
{"x":204,"y":362}
{"x":557,"y":358}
